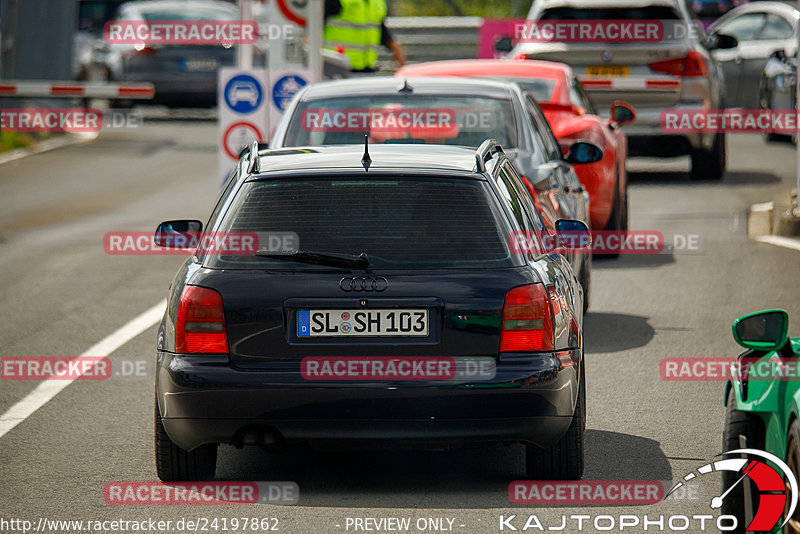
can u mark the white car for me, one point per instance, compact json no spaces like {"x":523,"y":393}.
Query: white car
{"x":675,"y":73}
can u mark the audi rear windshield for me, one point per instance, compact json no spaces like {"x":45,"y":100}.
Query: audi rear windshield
{"x":427,"y":119}
{"x":403,"y":223}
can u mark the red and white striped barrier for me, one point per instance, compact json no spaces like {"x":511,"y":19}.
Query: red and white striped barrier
{"x":629,"y":84}
{"x":40,"y":88}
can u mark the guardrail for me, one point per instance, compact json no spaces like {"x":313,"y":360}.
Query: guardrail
{"x":434,"y":38}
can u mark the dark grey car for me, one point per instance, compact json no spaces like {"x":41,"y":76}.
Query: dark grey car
{"x":183,"y":74}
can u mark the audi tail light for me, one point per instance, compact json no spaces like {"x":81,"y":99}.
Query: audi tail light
{"x":692,"y":65}
{"x":527,"y":320}
{"x":200,"y":325}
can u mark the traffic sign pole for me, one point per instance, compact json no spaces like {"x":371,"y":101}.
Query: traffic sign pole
{"x":314,"y":26}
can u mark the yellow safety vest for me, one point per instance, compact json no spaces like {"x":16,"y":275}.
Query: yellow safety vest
{"x":357,"y":30}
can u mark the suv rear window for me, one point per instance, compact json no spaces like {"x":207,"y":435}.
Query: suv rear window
{"x":453,"y":120}
{"x":404,"y":223}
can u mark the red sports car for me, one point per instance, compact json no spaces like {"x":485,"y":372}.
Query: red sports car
{"x":571,"y":116}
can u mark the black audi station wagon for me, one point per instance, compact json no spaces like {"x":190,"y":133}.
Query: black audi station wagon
{"x":399,"y":313}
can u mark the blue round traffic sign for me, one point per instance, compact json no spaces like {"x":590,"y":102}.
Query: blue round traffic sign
{"x":243,"y":93}
{"x":285,"y":88}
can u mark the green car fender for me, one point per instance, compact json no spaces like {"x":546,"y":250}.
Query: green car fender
{"x":775,"y":401}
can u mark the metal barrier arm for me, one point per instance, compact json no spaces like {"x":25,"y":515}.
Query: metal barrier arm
{"x":41,"y":88}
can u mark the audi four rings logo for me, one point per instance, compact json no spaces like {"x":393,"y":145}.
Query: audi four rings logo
{"x":364,"y":283}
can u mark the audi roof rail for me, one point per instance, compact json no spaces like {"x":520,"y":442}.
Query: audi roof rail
{"x":485,"y":152}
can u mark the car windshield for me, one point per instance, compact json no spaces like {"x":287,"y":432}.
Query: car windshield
{"x":429,"y":119}
{"x":404,"y":223}
{"x":542,"y":90}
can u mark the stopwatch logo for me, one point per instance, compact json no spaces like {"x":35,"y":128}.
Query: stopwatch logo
{"x":774,"y":486}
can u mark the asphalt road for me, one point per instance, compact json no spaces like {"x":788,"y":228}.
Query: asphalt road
{"x":61,"y":294}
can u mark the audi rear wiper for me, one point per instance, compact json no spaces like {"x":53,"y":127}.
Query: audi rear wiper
{"x":319,"y":258}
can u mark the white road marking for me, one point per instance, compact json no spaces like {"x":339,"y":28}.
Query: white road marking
{"x":780,"y":241}
{"x":50,"y":388}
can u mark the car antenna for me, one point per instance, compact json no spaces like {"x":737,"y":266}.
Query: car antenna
{"x":405,"y":88}
{"x":365,"y":159}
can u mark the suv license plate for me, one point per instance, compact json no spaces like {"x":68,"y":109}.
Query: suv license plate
{"x":608,"y":70}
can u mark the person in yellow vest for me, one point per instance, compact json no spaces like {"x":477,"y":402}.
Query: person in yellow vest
{"x":357,"y":29}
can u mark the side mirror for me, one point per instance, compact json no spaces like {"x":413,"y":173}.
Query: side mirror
{"x":765,"y":330}
{"x":178,"y":234}
{"x":503,"y":44}
{"x":622,"y":112}
{"x":721,"y":41}
{"x":583,"y":152}
{"x":573,"y":235}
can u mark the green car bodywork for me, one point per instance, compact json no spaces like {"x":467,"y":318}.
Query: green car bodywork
{"x":762,"y":403}
{"x":775,"y":401}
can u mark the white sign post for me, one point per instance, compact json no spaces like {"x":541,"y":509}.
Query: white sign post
{"x":296,"y":60}
{"x":243,"y":103}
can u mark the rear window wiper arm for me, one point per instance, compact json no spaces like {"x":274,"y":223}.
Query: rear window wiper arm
{"x":319,"y":258}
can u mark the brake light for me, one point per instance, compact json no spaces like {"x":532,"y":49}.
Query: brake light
{"x":527,"y":320}
{"x":200,"y":325}
{"x":142,"y":50}
{"x":692,"y":64}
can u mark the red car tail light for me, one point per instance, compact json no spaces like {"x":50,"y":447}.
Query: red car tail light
{"x":527,"y":320}
{"x":141,"y":50}
{"x":200,"y":325}
{"x":691,"y":65}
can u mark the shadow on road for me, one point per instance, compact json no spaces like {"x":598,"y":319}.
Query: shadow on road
{"x":461,"y":478}
{"x":614,"y":332}
{"x":631,"y":261}
{"x":673,"y":177}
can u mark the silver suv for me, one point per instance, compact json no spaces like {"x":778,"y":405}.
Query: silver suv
{"x":675,"y":73}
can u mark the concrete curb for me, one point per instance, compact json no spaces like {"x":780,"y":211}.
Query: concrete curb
{"x":781,"y":217}
{"x":48,"y":145}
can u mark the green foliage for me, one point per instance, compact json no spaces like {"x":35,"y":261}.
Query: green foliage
{"x":12,"y":140}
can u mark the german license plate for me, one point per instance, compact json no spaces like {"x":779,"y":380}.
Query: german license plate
{"x":362,"y":323}
{"x":201,"y":65}
{"x":608,"y":70}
